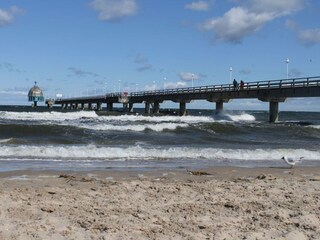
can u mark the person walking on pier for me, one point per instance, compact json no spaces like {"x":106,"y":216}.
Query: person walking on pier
{"x":241,"y":85}
{"x":235,"y":84}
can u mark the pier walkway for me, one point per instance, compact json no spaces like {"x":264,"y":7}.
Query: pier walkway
{"x":274,"y":91}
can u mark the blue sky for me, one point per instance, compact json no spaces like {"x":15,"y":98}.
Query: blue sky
{"x":83,"y":47}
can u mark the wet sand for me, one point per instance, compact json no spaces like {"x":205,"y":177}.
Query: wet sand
{"x":216,"y":203}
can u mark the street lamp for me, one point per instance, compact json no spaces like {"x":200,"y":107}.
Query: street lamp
{"x":164,"y":83}
{"x":119,"y":86}
{"x":192,"y":76}
{"x":230,"y":76}
{"x":287,"y":62}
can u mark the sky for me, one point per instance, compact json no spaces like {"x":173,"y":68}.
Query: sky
{"x":89,"y":47}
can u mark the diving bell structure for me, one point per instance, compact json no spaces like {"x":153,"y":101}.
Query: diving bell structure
{"x":35,"y":95}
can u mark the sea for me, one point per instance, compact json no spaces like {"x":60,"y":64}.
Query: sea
{"x":56,"y":140}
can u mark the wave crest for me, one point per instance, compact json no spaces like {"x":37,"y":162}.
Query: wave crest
{"x":93,"y":152}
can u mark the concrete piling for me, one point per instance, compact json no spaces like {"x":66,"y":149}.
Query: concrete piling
{"x":273,"y":111}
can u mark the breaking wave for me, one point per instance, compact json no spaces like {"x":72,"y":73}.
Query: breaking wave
{"x":44,"y":116}
{"x":60,"y":116}
{"x":6,"y":140}
{"x":93,"y":152}
{"x":159,"y":127}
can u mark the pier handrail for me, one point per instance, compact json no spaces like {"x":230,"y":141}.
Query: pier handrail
{"x":248,"y":86}
{"x":271,"y":84}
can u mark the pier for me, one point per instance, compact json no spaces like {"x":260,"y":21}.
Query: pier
{"x":273,"y":92}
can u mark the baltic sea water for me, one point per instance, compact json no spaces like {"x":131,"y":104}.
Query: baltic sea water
{"x":38,"y":139}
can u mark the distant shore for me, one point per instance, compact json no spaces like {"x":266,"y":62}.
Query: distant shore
{"x":214,"y":203}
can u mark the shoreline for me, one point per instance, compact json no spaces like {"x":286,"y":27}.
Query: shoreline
{"x":213,"y":203}
{"x":218,"y":172}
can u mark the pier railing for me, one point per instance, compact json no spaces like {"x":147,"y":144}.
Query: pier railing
{"x":272,"y":84}
{"x":248,"y":86}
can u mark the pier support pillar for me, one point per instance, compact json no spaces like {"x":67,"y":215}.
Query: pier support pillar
{"x":109,"y":106}
{"x":125,"y":107}
{"x":273,"y":111}
{"x":82,"y":106}
{"x":219,"y":107}
{"x":219,"y":103}
{"x":147,"y":107}
{"x":98,"y":106}
{"x":62,"y":106}
{"x":183,"y":109}
{"x":273,"y":107}
{"x":156,"y":107}
{"x":89,"y":106}
{"x":130,"y":107}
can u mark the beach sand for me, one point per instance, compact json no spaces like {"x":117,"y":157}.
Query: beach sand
{"x":230,"y":203}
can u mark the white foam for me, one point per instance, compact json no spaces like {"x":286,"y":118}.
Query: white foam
{"x":20,"y":178}
{"x":47,"y":116}
{"x":314,"y":126}
{"x":5,"y":140}
{"x":159,"y":127}
{"x":243,"y":117}
{"x":179,"y":119}
{"x":158,"y":119}
{"x":92,"y":152}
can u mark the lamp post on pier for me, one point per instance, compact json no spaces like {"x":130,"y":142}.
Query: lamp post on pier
{"x":287,"y":62}
{"x":230,"y":75}
{"x":192,"y":77}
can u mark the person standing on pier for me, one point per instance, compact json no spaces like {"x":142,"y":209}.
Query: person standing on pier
{"x":235,"y":84}
{"x":241,"y":85}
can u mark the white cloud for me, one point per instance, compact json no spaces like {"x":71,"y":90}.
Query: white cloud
{"x":250,"y":17}
{"x":235,"y":24}
{"x":111,"y":10}
{"x":198,"y":6}
{"x":188,"y":76}
{"x":8,"y":16}
{"x":309,"y":36}
{"x":172,"y":85}
{"x":167,"y":85}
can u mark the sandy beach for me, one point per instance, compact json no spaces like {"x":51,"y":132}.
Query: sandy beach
{"x":217,"y":203}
